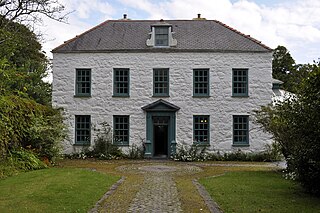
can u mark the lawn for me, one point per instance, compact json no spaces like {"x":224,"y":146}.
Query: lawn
{"x":259,"y":191}
{"x":53,"y":190}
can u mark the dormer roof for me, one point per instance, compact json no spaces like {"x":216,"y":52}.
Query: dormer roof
{"x":191,"y":36}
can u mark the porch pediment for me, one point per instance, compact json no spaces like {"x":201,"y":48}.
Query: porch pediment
{"x":162,"y":106}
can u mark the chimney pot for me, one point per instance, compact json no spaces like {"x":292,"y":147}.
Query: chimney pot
{"x":124,"y":16}
{"x":199,"y":15}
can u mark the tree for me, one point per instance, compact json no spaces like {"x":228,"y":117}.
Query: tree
{"x":21,"y":51}
{"x":29,"y":10}
{"x":295,"y":126}
{"x":282,"y":65}
{"x":27,"y":119}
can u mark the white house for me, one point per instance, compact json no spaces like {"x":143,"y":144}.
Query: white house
{"x":168,"y":82}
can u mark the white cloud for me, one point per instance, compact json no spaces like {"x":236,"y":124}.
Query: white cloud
{"x":295,"y":24}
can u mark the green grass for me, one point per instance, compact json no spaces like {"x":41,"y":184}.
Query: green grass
{"x":259,"y":191}
{"x":53,"y":190}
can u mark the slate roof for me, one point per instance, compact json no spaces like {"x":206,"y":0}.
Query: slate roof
{"x":192,"y":35}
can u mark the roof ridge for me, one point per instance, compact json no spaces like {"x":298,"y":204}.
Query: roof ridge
{"x":244,"y":35}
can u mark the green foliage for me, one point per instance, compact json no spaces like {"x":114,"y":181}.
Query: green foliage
{"x":25,"y":123}
{"x":186,"y":152}
{"x":25,"y":160}
{"x":198,"y":152}
{"x":54,"y":190}
{"x":136,"y":151}
{"x":259,"y":191}
{"x":103,"y":147}
{"x":282,"y":65}
{"x":22,"y":63}
{"x":295,"y":126}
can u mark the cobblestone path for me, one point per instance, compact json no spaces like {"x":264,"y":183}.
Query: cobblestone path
{"x":158,"y":193}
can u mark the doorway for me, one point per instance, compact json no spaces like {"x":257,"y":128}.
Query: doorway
{"x":160,"y":135}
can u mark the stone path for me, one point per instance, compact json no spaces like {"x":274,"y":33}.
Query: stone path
{"x":158,"y":193}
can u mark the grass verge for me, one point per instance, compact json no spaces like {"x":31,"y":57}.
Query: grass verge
{"x":259,"y":191}
{"x":53,"y":190}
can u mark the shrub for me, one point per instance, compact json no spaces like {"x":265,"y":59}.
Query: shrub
{"x":295,"y":124}
{"x":198,"y":152}
{"x":136,"y":151}
{"x":25,"y":160}
{"x":194,"y":152}
{"x":103,"y":147}
{"x":25,"y":123}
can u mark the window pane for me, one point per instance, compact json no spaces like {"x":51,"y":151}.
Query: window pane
{"x":82,"y":129}
{"x":201,"y":82}
{"x":121,"y":82}
{"x":240,"y":129}
{"x":161,"y":82}
{"x":201,"y":128}
{"x":161,"y":36}
{"x":240,"y":82}
{"x":121,"y":130}
{"x":83,"y":81}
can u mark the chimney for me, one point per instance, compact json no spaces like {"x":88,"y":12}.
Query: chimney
{"x":125,"y":17}
{"x":199,"y":17}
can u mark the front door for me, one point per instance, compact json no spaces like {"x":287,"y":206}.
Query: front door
{"x":160,"y":135}
{"x":160,"y":129}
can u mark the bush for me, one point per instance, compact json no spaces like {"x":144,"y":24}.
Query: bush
{"x":25,"y":160}
{"x":295,"y":126}
{"x":136,"y":151}
{"x":198,"y":152}
{"x":103,"y":147}
{"x":25,"y":123}
{"x":194,"y":152}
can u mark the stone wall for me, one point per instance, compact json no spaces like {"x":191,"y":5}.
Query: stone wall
{"x":221,"y":106}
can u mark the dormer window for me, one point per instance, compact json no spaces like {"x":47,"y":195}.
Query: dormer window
{"x":161,"y":36}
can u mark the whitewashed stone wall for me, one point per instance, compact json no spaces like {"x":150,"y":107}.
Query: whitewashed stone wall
{"x":221,"y":106}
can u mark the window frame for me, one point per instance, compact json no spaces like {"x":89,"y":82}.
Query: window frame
{"x":246,"y":82}
{"x":161,"y":34}
{"x":78,"y":83}
{"x":194,"y":130}
{"x":115,"y":83}
{"x":207,"y":94}
{"x":240,"y":143}
{"x":82,"y":143}
{"x":164,"y":94}
{"x":126,"y":143}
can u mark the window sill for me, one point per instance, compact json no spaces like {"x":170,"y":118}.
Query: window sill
{"x":82,"y":96}
{"x":81,"y":144}
{"x":240,"y":145}
{"x":161,"y":96}
{"x":121,"y":96}
{"x":240,"y":96}
{"x":201,"y":96}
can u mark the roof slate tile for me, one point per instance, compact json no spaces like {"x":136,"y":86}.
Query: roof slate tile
{"x":192,"y":35}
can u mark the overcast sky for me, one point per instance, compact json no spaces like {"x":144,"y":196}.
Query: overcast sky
{"x":294,"y":24}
